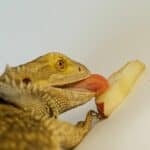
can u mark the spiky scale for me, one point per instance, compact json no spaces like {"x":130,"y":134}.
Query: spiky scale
{"x":29,"y":86}
{"x":13,"y":83}
{"x":21,"y":85}
{"x":34,"y":88}
{"x":7,"y":68}
{"x":18,"y":69}
{"x":7,"y":79}
{"x":45,"y":96}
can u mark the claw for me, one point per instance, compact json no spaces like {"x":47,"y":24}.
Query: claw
{"x":96,"y":114}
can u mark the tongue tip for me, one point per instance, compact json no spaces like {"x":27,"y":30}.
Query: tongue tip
{"x":95,"y":83}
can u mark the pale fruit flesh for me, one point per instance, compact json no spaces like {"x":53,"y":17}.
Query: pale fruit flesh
{"x":120,"y":84}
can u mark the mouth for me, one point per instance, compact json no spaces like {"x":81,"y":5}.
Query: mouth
{"x":93,"y":83}
{"x":72,"y":86}
{"x":81,"y":91}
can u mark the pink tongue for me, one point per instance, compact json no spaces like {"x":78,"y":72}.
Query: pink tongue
{"x":95,"y":83}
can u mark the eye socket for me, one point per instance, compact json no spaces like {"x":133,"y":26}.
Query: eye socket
{"x":79,"y":69}
{"x":61,"y":64}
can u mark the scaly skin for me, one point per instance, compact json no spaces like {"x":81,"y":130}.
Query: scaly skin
{"x":21,"y":131}
{"x":39,"y":91}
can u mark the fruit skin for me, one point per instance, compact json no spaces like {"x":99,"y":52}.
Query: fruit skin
{"x":121,"y":83}
{"x":100,"y":108}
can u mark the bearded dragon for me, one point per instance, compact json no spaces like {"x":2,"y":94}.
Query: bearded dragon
{"x":35,"y":94}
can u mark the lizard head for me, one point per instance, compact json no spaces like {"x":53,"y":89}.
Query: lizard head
{"x":55,"y":69}
{"x":54,"y":72}
{"x":52,"y":69}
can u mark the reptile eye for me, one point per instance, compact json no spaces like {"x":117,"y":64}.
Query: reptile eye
{"x":61,"y":64}
{"x":26,"y":80}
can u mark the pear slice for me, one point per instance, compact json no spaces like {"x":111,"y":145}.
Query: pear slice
{"x":120,"y":85}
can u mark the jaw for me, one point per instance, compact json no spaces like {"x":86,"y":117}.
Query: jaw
{"x":70,"y":97}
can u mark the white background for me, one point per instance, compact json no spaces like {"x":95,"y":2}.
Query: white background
{"x":103,"y":35}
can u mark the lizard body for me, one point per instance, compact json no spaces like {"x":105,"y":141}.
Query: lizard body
{"x":21,"y":131}
{"x":40,"y":90}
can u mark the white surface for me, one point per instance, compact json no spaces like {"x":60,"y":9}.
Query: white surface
{"x":103,"y":34}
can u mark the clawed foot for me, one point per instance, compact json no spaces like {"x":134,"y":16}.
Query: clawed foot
{"x":95,"y":114}
{"x":90,"y":115}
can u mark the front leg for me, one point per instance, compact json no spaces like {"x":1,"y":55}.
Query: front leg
{"x":68,"y":135}
{"x":80,"y":130}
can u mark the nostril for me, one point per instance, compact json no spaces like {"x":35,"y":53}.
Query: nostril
{"x":26,"y":80}
{"x":79,"y":69}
